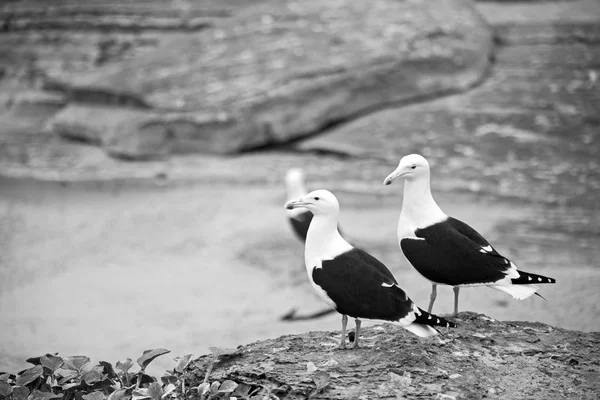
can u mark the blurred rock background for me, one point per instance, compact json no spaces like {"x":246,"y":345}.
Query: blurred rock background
{"x":143,"y":146}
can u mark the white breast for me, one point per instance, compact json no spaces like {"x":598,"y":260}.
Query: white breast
{"x":322,"y":294}
{"x":406,"y":227}
{"x":322,"y":245}
{"x":317,"y":252}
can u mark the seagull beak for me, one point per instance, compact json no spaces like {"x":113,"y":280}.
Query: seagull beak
{"x":390,"y":178}
{"x":290,"y":205}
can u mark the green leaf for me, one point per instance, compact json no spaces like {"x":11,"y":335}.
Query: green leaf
{"x":30,"y":375}
{"x":4,"y":376}
{"x":68,"y":386}
{"x":51,"y":362}
{"x":145,"y":378}
{"x":321,"y":379}
{"x":183,"y":362}
{"x":20,"y":393}
{"x":66,"y":376}
{"x":76,"y":363}
{"x":169,"y":379}
{"x":108,"y":369}
{"x":140,"y":394}
{"x":37,"y":360}
{"x":203,"y":388}
{"x":227,"y":387}
{"x":119,"y":394}
{"x":149,"y":356}
{"x":168,"y":389}
{"x":5,"y":389}
{"x":92,"y":377}
{"x":94,"y":396}
{"x":155,"y":391}
{"x":38,"y":395}
{"x":242,"y":390}
{"x":124,"y":365}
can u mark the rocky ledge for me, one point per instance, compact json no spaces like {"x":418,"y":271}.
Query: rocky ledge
{"x":481,"y":358}
{"x":223,"y":77}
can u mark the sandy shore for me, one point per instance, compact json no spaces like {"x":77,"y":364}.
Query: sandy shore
{"x":109,"y":270}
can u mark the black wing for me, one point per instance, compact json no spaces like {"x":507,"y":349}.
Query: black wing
{"x":374,"y":263}
{"x":362,"y":287}
{"x":472,"y":234}
{"x":453,"y":253}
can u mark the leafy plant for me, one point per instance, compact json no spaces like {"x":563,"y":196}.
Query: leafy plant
{"x":71,"y":378}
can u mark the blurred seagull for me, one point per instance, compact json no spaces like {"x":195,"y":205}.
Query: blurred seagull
{"x":351,"y":281}
{"x":447,"y":251}
{"x":295,"y":187}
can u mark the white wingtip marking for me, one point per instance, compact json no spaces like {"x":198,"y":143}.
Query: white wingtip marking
{"x":539,"y":279}
{"x":413,"y":238}
{"x":529,"y":278}
{"x":387,"y":284}
{"x":486,"y":249}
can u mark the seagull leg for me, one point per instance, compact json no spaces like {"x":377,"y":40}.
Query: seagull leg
{"x":344,"y":323}
{"x":456,"y":290}
{"x":432,"y":297}
{"x":356,"y":333}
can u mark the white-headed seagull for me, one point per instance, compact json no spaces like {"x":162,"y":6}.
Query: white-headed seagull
{"x":447,"y":251}
{"x":352,"y":281}
{"x":296,"y":188}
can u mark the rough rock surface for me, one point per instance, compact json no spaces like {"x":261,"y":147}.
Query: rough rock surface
{"x":228,"y":76}
{"x":481,"y":358}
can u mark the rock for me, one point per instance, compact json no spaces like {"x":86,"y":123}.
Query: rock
{"x":32,"y":103}
{"x":261,"y":72}
{"x":446,"y":396}
{"x":124,"y":133}
{"x":375,"y":371}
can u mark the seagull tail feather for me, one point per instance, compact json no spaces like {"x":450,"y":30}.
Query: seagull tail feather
{"x":526,"y":278}
{"x":433,"y":320}
{"x":518,"y":292}
{"x":421,"y":330}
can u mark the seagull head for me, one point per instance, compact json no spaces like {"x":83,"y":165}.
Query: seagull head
{"x":294,"y":183}
{"x":410,"y":167}
{"x":318,"y":202}
{"x":294,"y":177}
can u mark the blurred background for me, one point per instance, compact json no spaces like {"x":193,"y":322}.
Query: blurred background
{"x":144,"y":145}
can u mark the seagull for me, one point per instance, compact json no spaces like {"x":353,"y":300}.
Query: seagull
{"x":352,"y":281}
{"x":295,"y":188}
{"x":447,"y":251}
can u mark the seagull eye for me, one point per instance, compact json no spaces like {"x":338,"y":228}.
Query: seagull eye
{"x":316,"y":198}
{"x":413,"y":167}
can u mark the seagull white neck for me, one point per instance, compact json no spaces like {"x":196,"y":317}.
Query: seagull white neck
{"x":419,"y":209}
{"x":295,"y":190}
{"x":323,"y":241}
